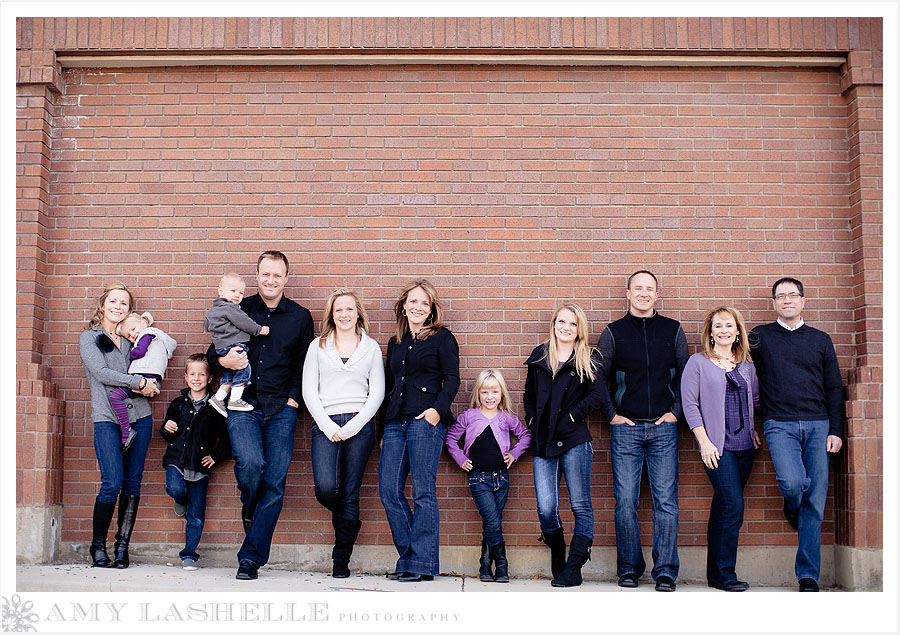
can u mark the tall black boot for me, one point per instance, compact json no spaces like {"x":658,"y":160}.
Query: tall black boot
{"x":103,"y":513}
{"x":127,"y":513}
{"x":557,"y":544}
{"x":579,"y":553}
{"x":345,"y":534}
{"x":501,"y":565}
{"x":485,"y":574}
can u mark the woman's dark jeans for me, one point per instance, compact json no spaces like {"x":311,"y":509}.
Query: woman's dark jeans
{"x":121,"y":471}
{"x":726,"y":514}
{"x":338,"y":468}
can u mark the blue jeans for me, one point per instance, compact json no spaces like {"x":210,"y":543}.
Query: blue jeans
{"x":631,"y":446}
{"x":338,"y":468}
{"x":726,"y":513}
{"x":575,"y":463}
{"x":235,"y":377}
{"x":121,"y":471}
{"x":262,"y":447}
{"x":489,"y":491}
{"x":801,"y":467}
{"x":192,"y":494}
{"x":412,"y":447}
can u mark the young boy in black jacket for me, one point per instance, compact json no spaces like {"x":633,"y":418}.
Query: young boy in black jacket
{"x":198,"y":439}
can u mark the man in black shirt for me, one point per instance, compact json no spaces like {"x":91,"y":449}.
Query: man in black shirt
{"x":643,"y":355}
{"x":802,"y":406}
{"x":262,"y":440}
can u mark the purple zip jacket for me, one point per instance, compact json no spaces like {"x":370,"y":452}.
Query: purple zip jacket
{"x":703,"y":395}
{"x":472,"y":423}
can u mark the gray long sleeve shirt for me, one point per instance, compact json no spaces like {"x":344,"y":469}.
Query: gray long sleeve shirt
{"x":227,"y":323}
{"x":106,"y":368}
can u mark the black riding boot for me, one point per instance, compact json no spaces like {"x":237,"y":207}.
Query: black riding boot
{"x":345,"y":534}
{"x":103,"y":513}
{"x":501,"y":565}
{"x":484,"y":571}
{"x":127,"y":512}
{"x":557,"y":545}
{"x":579,"y":553}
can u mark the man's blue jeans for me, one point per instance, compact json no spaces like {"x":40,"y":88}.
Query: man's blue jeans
{"x":489,"y":491}
{"x":192,"y":494}
{"x":121,"y":471}
{"x":726,"y":513}
{"x":575,"y":463}
{"x":262,"y":447}
{"x":658,"y":446}
{"x":801,"y":467}
{"x":338,"y":468}
{"x":412,"y":447}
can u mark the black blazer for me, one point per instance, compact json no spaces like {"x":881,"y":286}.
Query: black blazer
{"x":200,"y":433}
{"x":421,"y":374}
{"x":566,"y":399}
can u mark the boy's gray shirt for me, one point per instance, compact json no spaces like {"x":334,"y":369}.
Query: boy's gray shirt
{"x":227,"y":323}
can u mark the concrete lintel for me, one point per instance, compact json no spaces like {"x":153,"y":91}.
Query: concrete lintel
{"x":74,"y":60}
{"x":38,"y":533}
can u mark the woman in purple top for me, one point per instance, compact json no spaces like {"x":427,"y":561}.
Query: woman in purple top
{"x":718,"y":392}
{"x":486,"y":456}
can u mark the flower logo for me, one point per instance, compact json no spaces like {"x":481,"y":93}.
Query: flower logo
{"x":17,"y":615}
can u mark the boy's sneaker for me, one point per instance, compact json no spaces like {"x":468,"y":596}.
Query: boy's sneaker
{"x":132,"y":435}
{"x":219,"y":405}
{"x":240,"y":405}
{"x":189,"y":564}
{"x":180,"y":509}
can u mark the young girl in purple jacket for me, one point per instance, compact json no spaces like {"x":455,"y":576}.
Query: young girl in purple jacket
{"x":486,"y":455}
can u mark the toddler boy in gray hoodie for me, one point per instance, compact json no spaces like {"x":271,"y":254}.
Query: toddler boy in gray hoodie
{"x":230,"y":328}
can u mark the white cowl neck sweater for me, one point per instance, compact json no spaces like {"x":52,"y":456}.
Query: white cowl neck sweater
{"x":331,"y":387}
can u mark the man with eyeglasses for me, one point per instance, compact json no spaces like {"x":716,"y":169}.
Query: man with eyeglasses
{"x":802,"y":406}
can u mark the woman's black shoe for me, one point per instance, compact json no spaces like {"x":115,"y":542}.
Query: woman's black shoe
{"x":730,"y":585}
{"x":415,"y":577}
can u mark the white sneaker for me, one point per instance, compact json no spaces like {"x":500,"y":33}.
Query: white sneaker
{"x":239,"y":405}
{"x":189,"y":564}
{"x":219,"y":405}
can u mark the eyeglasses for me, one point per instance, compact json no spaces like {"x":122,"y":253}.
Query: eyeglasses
{"x":781,"y":297}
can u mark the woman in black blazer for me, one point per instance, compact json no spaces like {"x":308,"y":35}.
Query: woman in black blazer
{"x":562,"y":387}
{"x":421,"y":380}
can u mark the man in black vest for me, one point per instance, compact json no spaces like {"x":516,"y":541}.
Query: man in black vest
{"x":643,"y":356}
{"x":802,"y":404}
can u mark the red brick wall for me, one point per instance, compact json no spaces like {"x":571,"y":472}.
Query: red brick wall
{"x":511,"y":188}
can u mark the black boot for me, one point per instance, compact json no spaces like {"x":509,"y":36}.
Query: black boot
{"x":127,"y":512}
{"x":501,"y":566}
{"x":345,"y":534}
{"x":579,"y":553}
{"x":484,"y":570}
{"x":103,"y":513}
{"x":557,"y":545}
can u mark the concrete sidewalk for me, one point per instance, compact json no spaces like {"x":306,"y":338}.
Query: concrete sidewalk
{"x":172,"y":578}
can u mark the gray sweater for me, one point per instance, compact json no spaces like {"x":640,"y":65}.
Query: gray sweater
{"x":227,"y":323}
{"x":107,"y":367}
{"x":156,"y":359}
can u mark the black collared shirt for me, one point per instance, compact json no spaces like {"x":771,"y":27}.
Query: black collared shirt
{"x":276,"y":359}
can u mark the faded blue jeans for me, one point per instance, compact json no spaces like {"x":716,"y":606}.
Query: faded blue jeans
{"x":631,"y":446}
{"x":262,"y":447}
{"x":191,"y":494}
{"x":412,"y":447}
{"x":575,"y":463}
{"x":801,"y":468}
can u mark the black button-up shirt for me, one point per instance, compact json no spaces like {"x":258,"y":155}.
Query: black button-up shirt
{"x":276,"y":359}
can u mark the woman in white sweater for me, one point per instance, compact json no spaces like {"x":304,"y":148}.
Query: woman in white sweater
{"x":343,"y":386}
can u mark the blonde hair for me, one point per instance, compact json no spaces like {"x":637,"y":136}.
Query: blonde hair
{"x":435,"y":320}
{"x":145,"y":317}
{"x":489,"y":379}
{"x":740,"y":347}
{"x":584,"y":363}
{"x":232,"y":276}
{"x":97,"y":318}
{"x":328,"y":327}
